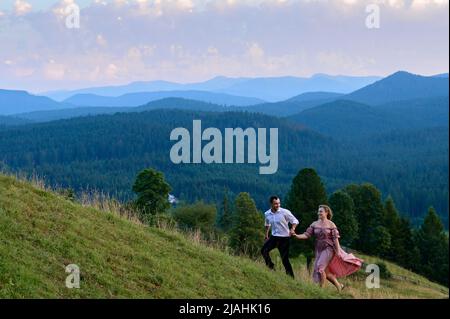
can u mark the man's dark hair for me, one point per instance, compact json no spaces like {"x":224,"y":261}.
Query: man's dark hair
{"x":272,"y":198}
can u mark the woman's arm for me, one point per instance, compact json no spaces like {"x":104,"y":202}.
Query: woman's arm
{"x":307,"y":234}
{"x":301,"y":236}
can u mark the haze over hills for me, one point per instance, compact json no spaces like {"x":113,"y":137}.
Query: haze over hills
{"x":282,"y":88}
{"x":398,"y":86}
{"x":277,"y":109}
{"x":403,"y":82}
{"x":46,"y":116}
{"x":269,"y":89}
{"x":13,"y":102}
{"x":315,"y":96}
{"x":166,"y":103}
{"x":140,"y":98}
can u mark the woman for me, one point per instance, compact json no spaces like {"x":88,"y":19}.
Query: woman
{"x":331,"y":261}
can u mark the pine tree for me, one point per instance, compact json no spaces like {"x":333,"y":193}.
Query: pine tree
{"x":247,"y":232}
{"x":433,"y":246}
{"x":391,"y":221}
{"x":225,"y":220}
{"x":307,"y":192}
{"x":373,"y":236}
{"x":391,"y":216}
{"x":344,"y":216}
{"x":406,"y":252}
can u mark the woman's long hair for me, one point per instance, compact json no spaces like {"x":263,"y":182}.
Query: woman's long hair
{"x":328,"y":211}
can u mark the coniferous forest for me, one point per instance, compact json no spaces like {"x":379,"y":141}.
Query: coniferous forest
{"x":106,"y":152}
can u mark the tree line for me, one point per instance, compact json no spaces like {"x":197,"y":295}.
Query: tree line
{"x":366,"y":222}
{"x":105,"y":152}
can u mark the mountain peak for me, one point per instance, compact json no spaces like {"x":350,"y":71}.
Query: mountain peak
{"x":400,"y":86}
{"x":402,"y":74}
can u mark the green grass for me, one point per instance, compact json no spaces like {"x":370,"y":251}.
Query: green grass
{"x":41,"y":233}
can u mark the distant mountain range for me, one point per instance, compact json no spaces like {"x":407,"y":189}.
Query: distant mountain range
{"x":140,"y":98}
{"x":393,"y":133}
{"x":14,"y":102}
{"x":166,"y":103}
{"x":269,"y":89}
{"x":400,"y":86}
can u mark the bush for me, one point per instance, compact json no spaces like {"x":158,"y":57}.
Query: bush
{"x":384,"y":271}
{"x":196,"y":216}
{"x":247,"y":233}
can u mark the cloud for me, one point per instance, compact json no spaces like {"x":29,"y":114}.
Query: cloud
{"x":22,"y":7}
{"x":54,"y":71}
{"x":120,"y":41}
{"x":254,"y":51}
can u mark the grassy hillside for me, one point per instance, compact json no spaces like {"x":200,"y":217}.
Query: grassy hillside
{"x":41,"y":233}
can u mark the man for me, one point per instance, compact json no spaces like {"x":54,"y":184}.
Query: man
{"x":278,"y":219}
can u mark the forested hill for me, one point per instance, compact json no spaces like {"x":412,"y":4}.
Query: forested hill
{"x":353,"y":121}
{"x":106,"y":152}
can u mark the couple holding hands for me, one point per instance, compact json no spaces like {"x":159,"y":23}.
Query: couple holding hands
{"x":331,"y":261}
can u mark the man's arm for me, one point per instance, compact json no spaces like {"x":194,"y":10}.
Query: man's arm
{"x":292,"y":231}
{"x":267,"y":232}
{"x":294,"y":222}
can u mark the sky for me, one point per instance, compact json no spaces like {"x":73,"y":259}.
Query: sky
{"x":121,"y":41}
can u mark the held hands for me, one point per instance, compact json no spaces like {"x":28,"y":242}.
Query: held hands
{"x":292,"y":232}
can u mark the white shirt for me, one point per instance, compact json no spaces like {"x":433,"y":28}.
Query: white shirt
{"x":279,"y":221}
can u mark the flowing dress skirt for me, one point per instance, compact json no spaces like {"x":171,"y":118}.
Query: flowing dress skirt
{"x":343,"y":264}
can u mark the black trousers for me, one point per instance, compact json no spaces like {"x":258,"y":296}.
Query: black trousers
{"x":282,"y":243}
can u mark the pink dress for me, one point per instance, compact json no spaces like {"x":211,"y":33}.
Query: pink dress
{"x":340,"y":264}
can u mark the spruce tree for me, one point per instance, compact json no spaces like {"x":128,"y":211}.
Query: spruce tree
{"x":344,"y":216}
{"x":391,"y":221}
{"x":406,"y":252}
{"x":307,"y":192}
{"x":247,"y":232}
{"x":225,"y":220}
{"x":373,"y":237}
{"x":433,"y":246}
